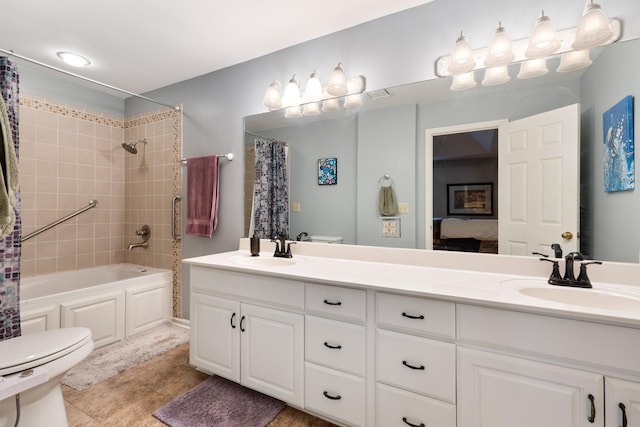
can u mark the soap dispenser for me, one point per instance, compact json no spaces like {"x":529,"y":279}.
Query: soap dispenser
{"x":255,"y":245}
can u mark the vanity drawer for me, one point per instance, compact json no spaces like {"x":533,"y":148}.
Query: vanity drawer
{"x":418,"y":364}
{"x":394,"y":406}
{"x":335,"y":344}
{"x":344,"y":303}
{"x":416,"y":315}
{"x":335,"y":394}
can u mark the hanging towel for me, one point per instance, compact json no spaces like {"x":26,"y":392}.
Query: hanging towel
{"x":202,"y":195}
{"x":9,"y":175}
{"x":387,"y":202}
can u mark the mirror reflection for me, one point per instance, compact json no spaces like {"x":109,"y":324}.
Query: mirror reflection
{"x":386,"y":137}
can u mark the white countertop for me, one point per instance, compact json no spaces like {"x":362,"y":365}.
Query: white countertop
{"x":499,"y":290}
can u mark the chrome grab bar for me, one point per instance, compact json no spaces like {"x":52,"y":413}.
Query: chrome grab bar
{"x":92,"y":204}
{"x":174,"y":202}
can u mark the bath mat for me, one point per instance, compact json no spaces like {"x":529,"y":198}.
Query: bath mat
{"x":112,"y":359}
{"x":222,"y":403}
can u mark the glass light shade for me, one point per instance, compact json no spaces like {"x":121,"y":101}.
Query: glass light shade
{"x":273,"y":98}
{"x":461,"y":59}
{"x":463,"y":81}
{"x":533,"y":68}
{"x":291,"y":95}
{"x":73,"y":59}
{"x":574,"y":60}
{"x":353,"y":101}
{"x":496,"y":76}
{"x":313,"y":90}
{"x":330,"y":105}
{"x":311,"y":109}
{"x":593,"y":29}
{"x":500,"y":51}
{"x":293,"y":112}
{"x":544,"y":40}
{"x":338,"y":82}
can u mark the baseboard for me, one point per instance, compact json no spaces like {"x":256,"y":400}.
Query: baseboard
{"x":185,"y":323}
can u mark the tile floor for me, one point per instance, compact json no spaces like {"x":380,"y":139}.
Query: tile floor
{"x":130,"y":398}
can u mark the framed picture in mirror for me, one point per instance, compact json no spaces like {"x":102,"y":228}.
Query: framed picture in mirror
{"x":470,"y":199}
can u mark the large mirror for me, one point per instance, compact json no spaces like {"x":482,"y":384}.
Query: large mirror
{"x":386,"y":138}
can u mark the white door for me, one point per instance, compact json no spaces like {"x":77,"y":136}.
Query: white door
{"x":502,"y":391}
{"x":215,"y":335}
{"x":623,"y":403}
{"x":538,"y":183}
{"x":273,"y":353}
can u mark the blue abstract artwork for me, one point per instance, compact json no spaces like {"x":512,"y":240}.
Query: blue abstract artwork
{"x":328,"y":171}
{"x":618,"y":145}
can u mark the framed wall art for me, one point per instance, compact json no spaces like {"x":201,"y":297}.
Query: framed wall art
{"x":470,"y":199}
{"x":618,"y":147}
{"x":328,"y":171}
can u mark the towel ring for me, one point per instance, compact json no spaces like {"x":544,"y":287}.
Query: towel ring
{"x":386,"y":180}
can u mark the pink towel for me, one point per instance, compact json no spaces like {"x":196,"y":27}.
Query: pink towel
{"x":202,"y":195}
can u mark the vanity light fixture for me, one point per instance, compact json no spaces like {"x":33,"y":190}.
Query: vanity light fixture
{"x":461,"y":57}
{"x":73,"y":59}
{"x":500,"y":51}
{"x":544,"y":40}
{"x":313,"y":89}
{"x":291,"y":95}
{"x":293,"y":112}
{"x":533,"y":68}
{"x":463,"y":81}
{"x":593,"y":29}
{"x":311,"y":109}
{"x":272,"y":98}
{"x":574,"y":60}
{"x":338,"y":82}
{"x":330,"y":105}
{"x":494,"y":76}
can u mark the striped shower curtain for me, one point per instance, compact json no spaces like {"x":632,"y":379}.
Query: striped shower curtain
{"x":10,"y":246}
{"x":270,"y":190}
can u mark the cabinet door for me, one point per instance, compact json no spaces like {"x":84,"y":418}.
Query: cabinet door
{"x":273,"y":353}
{"x":215,"y":335}
{"x":502,"y":391}
{"x":623,"y":403}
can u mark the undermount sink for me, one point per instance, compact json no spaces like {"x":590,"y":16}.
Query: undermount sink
{"x":576,"y":296}
{"x":259,"y":261}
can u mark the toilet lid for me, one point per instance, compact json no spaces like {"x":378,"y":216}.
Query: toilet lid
{"x":27,"y":351}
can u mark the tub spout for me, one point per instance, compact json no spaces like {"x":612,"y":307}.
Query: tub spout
{"x":144,"y":245}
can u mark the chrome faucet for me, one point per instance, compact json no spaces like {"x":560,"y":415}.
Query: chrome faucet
{"x":283,"y":249}
{"x":145,"y":233}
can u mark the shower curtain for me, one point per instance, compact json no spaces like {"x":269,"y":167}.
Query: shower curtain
{"x":10,"y":246}
{"x":270,"y":190}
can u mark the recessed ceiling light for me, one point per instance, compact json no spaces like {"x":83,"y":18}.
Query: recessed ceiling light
{"x":73,"y":59}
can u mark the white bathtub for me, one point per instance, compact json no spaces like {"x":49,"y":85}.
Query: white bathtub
{"x":114,"y":301}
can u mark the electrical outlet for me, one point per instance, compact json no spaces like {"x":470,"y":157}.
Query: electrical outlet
{"x":295,"y":206}
{"x":403,"y":208}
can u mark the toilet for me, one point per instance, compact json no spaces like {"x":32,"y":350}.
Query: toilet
{"x":32,"y":366}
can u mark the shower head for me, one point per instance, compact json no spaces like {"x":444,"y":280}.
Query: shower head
{"x":131,"y":146}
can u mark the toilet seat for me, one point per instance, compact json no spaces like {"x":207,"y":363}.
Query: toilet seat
{"x":28,"y":351}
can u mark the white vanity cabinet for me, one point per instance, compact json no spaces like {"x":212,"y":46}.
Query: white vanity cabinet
{"x":531,"y":370}
{"x":335,"y":353}
{"x":249,"y":329}
{"x":415,"y":367}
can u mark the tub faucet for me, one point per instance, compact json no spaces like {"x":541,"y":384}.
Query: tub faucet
{"x":145,"y":233}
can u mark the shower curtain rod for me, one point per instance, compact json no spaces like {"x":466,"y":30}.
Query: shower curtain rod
{"x":60,"y":70}
{"x":265,"y":137}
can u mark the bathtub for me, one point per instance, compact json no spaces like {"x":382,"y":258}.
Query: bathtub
{"x":114,"y":301}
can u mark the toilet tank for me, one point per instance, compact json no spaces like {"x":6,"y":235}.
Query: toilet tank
{"x":326,"y":239}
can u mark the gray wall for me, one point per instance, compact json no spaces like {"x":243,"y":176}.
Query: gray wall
{"x":390,"y":51}
{"x":603,"y":237}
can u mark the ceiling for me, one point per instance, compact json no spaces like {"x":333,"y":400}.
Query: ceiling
{"x":129,"y":42}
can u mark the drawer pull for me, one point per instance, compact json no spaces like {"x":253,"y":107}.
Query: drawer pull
{"x":417,"y":368}
{"x":242,"y":324}
{"x":624,"y":414}
{"x":412,"y":424}
{"x":334,"y":347}
{"x":328,"y":396}
{"x":332,"y":303}
{"x":410,"y":316}
{"x":592,"y":417}
{"x":232,"y":317}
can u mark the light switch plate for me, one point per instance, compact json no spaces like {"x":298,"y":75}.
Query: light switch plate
{"x":403,"y":208}
{"x":295,"y":207}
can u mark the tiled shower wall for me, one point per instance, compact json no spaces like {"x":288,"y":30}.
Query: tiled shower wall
{"x":69,"y":156}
